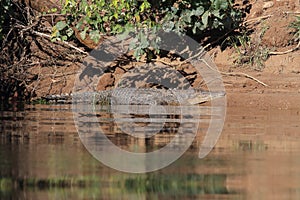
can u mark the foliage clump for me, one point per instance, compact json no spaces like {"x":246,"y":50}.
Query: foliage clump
{"x":94,"y":19}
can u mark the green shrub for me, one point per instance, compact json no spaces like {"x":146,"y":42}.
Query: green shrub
{"x":95,"y":18}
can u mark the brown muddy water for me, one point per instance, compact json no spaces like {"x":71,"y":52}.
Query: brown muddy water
{"x":256,"y":157}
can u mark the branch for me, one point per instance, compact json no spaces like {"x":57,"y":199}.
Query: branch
{"x":291,"y":12}
{"x":49,"y":37}
{"x":285,"y":52}
{"x":243,"y":75}
{"x":64,"y":42}
{"x":257,"y":19}
{"x":234,"y":73}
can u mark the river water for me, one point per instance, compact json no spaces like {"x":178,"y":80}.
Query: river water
{"x":43,"y":157}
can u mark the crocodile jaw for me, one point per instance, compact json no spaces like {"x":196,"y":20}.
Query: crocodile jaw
{"x":198,"y":99}
{"x":202,"y":98}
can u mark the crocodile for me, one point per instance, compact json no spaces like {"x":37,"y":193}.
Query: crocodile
{"x":138,"y":96}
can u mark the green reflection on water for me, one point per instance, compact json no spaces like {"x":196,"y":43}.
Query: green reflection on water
{"x":188,"y":184}
{"x":121,"y":184}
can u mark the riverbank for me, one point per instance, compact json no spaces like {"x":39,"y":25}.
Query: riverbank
{"x":267,"y":52}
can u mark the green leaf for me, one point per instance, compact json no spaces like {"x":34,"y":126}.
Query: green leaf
{"x":168,"y":26}
{"x":143,"y":40}
{"x":55,"y":35}
{"x":84,"y":5}
{"x":61,"y":25}
{"x":117,"y":29}
{"x":69,"y":32}
{"x":116,"y":16}
{"x":132,"y":44}
{"x":95,"y":36}
{"x":174,"y":10}
{"x":55,"y":32}
{"x":54,"y":39}
{"x":220,"y":4}
{"x":197,"y":25}
{"x":138,"y":53}
{"x":216,"y":13}
{"x":224,"y":5}
{"x":79,"y":24}
{"x":199,"y":11}
{"x":64,"y":38}
{"x":145,"y":5}
{"x":105,"y":18}
{"x":83,"y":34}
{"x":205,"y":18}
{"x":187,"y":17}
{"x":53,"y":10}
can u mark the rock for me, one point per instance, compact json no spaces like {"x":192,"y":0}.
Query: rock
{"x":268,"y":4}
{"x":105,"y":81}
{"x":119,"y":72}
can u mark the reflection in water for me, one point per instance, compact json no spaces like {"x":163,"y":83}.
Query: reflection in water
{"x":138,"y":130}
{"x":42,"y":157}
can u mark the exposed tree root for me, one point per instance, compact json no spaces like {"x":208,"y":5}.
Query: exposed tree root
{"x":285,"y":52}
